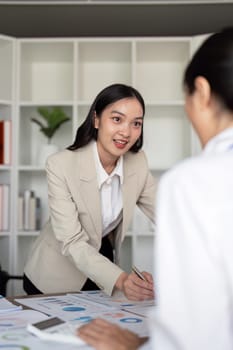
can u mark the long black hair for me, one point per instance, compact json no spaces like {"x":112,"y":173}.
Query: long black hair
{"x":87,"y":132}
{"x":214,"y":61}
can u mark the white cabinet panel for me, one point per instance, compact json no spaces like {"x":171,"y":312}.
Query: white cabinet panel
{"x":46,"y":71}
{"x":101,"y":64}
{"x":167,"y":136}
{"x":6,"y":68}
{"x":159,"y":69}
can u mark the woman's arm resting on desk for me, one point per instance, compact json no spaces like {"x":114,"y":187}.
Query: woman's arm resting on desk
{"x":134,"y":287}
{"x":103,"y":335}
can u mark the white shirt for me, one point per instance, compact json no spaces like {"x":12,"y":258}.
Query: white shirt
{"x":110,"y":193}
{"x":194,"y":253}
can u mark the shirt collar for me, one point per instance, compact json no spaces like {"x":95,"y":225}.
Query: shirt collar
{"x":102,"y":175}
{"x":220,"y":143}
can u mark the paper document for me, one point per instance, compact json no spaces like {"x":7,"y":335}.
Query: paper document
{"x":65,"y":307}
{"x":117,"y":301}
{"x":79,"y":310}
{"x":6,"y":306}
{"x":20,"y":319}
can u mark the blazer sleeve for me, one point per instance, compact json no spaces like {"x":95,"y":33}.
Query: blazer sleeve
{"x":75,"y":243}
{"x":146,"y":197}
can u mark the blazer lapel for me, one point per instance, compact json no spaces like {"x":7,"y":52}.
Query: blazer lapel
{"x":129,"y":190}
{"x":90,"y":192}
{"x":89,"y":187}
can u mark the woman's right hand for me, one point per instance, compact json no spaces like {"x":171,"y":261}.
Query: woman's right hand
{"x":134,"y":287}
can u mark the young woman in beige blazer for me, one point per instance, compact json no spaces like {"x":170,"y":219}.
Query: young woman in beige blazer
{"x":93,"y":188}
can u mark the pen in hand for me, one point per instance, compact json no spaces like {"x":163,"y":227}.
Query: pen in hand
{"x":138,"y":273}
{"x":141,"y":291}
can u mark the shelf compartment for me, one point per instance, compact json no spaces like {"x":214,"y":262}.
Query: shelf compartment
{"x":36,"y":182}
{"x":126,"y":254}
{"x":31,"y":139}
{"x":46,"y":71}
{"x":6,"y":74}
{"x":24,"y":246}
{"x":5,"y":112}
{"x":4,"y":251}
{"x":5,"y":175}
{"x":101,"y":64}
{"x":142,"y":225}
{"x":82,"y":113}
{"x":159,"y":69}
{"x":22,"y":233}
{"x":144,"y":253}
{"x":166,"y":136}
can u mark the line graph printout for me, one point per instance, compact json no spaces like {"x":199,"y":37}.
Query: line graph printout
{"x":135,"y":323}
{"x":81,"y":311}
{"x":66,"y":307}
{"x":117,"y":301}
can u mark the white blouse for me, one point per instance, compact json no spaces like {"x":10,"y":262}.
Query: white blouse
{"x":110,"y":193}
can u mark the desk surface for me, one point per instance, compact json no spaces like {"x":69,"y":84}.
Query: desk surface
{"x":77,"y":308}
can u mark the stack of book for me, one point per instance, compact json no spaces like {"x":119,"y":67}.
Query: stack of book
{"x":4,"y":207}
{"x":5,"y":142}
{"x":28,"y":211}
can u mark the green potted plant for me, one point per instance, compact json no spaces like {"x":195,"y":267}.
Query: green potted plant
{"x":51,"y":120}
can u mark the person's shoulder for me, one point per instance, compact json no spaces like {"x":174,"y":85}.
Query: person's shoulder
{"x":183,"y":171}
{"x":60,"y":155}
{"x":64,"y":159}
{"x":136,"y":163}
{"x":136,"y":157}
{"x":68,"y":158}
{"x":198,"y":172}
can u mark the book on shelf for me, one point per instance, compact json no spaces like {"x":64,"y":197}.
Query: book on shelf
{"x":28,"y":211}
{"x":34,"y":213}
{"x":6,"y":200}
{"x":27,"y":195}
{"x":5,"y":142}
{"x":1,"y":207}
{"x":38,"y":213}
{"x":20,"y":213}
{"x":4,"y":207}
{"x":1,"y":142}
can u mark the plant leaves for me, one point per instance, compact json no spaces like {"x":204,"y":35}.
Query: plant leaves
{"x":53,"y":117}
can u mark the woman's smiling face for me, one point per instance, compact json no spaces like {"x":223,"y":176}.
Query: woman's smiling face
{"x":119,"y":127}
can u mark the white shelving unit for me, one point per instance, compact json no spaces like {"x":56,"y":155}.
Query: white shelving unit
{"x":69,"y":73}
{"x":7,"y":111}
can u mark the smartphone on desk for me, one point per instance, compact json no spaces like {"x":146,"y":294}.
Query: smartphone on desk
{"x":55,"y":329}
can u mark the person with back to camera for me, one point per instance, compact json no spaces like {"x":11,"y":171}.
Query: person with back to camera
{"x":93,"y":188}
{"x":193,"y":251}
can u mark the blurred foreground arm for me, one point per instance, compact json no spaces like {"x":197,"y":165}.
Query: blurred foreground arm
{"x":103,"y":335}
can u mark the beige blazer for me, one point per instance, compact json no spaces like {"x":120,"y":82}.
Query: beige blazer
{"x":66,"y":251}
